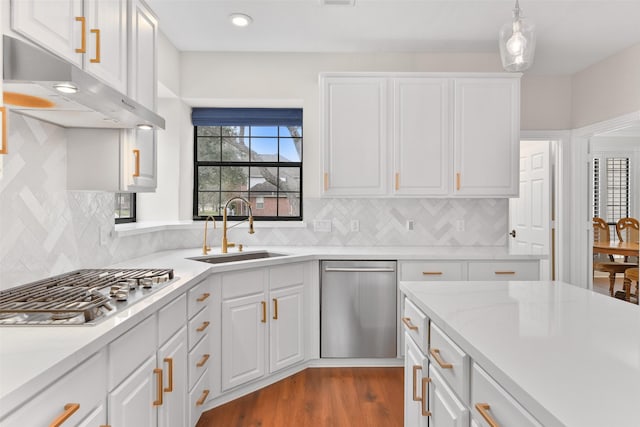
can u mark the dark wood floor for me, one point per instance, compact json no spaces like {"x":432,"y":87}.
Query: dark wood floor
{"x":319,"y":397}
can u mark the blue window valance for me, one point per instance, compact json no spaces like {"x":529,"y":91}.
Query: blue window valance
{"x":246,"y":116}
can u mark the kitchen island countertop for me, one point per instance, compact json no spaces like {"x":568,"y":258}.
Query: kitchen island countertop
{"x":569,"y":355}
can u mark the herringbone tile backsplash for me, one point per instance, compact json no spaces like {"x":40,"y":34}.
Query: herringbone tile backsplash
{"x":47,"y":230}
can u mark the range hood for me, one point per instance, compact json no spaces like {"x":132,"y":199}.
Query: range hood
{"x":30,"y":75}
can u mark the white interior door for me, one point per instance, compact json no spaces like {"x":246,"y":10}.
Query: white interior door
{"x":529,"y":215}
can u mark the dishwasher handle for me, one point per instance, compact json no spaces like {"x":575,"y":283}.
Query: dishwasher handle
{"x":359,"y":269}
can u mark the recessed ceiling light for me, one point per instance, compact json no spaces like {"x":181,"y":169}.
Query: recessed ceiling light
{"x":66,"y":87}
{"x":240,"y":19}
{"x":144,"y":126}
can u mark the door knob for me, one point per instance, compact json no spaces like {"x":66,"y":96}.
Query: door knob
{"x":513,"y":233}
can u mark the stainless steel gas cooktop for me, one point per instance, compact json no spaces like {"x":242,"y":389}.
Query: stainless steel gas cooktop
{"x":82,"y":297}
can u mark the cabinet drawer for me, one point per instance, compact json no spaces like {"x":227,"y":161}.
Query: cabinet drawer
{"x":416,"y":323}
{"x":286,"y":275}
{"x":85,"y":385}
{"x":242,"y":283}
{"x":198,"y":298}
{"x":446,"y":409}
{"x":199,"y":327}
{"x":428,"y":271}
{"x":450,"y":361}
{"x":504,"y":270}
{"x":490,"y":399}
{"x":131,"y":349}
{"x":198,"y":397}
{"x":171,"y":318}
{"x":199,"y":360}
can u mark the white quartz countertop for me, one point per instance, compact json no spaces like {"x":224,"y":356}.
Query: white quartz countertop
{"x":569,"y":355}
{"x":32,"y":357}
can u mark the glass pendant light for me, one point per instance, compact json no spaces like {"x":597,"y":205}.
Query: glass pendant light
{"x":517,"y":43}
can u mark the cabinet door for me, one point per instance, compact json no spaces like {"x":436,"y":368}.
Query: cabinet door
{"x":286,"y":328}
{"x":415,"y":366}
{"x":51,"y":24}
{"x":106,"y":56}
{"x":487,"y":136}
{"x":243,"y":339}
{"x":446,"y":409}
{"x":355,"y":136}
{"x":172,"y":358}
{"x":97,"y":417}
{"x":131,"y":404}
{"x":421,"y":145}
{"x":139,"y":164}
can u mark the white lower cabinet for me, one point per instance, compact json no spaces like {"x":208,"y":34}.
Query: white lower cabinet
{"x":415,"y":370}
{"x":79,"y":393}
{"x":133,"y":403}
{"x":504,"y":270}
{"x":262,"y":322}
{"x":494,"y":270}
{"x":173,"y":357}
{"x":446,"y":409}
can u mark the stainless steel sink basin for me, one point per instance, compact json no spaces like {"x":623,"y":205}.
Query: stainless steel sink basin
{"x":237,"y":256}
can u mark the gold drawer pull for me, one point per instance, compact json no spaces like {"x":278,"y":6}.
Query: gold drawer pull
{"x":136,"y":155}
{"x":483,"y":408}
{"x":4,"y":148}
{"x":169,"y":361}
{"x":407,"y":322}
{"x":275,"y":309}
{"x":69,"y":409}
{"x":96,"y":60}
{"x":458,"y":181}
{"x":203,"y":297}
{"x":416,"y":368}
{"x":203,"y":397}
{"x":203,"y":326}
{"x":158,"y":400}
{"x":436,"y":355}
{"x":432,"y":273}
{"x":202,"y":361}
{"x":504,"y":273}
{"x":264,"y":311}
{"x":423,"y":398}
{"x":83,"y":40}
{"x":326,"y":181}
{"x":397,"y":181}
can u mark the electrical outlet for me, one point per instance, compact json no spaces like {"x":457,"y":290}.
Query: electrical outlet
{"x":104,"y":235}
{"x":410,"y":224}
{"x":355,"y":225}
{"x":322,"y":226}
{"x":460,"y":225}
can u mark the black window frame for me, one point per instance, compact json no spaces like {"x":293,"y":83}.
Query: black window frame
{"x":249,"y":164}
{"x":133,"y":216}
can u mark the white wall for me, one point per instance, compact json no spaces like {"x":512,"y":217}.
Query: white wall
{"x":545,"y":103}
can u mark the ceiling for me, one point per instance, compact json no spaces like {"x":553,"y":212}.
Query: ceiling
{"x":572,"y":34}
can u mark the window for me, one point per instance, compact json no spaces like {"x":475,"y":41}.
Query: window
{"x":611,"y":190}
{"x":252,"y":153}
{"x":125,"y":207}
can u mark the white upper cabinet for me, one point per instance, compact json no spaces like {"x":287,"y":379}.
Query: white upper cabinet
{"x":420,"y":134}
{"x":486,"y":136}
{"x":355,"y":136}
{"x":91,"y":34}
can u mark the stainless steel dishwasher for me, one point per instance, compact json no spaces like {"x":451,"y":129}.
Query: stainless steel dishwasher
{"x":358,"y":309}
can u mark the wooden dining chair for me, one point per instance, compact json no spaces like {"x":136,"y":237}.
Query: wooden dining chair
{"x":630,"y":276}
{"x":605,"y":263}
{"x":628,"y":230}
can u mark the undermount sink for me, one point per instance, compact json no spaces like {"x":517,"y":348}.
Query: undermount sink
{"x":237,"y":256}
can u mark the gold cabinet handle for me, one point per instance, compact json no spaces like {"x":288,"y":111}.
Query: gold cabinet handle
{"x":504,"y":273}
{"x":203,"y":397}
{"x":136,"y":155}
{"x":4,"y":143}
{"x":397,"y":181}
{"x":96,"y":60}
{"x":169,"y":362}
{"x":432,"y":273}
{"x":69,"y":409}
{"x":416,"y":368}
{"x":158,"y":400}
{"x":264,"y":311}
{"x":275,"y":309}
{"x":83,"y":37}
{"x":458,"y":181}
{"x":202,"y":361}
{"x":407,"y":321}
{"x":326,"y":181}
{"x":483,"y":408}
{"x":423,"y":398}
{"x":436,"y":355}
{"x":203,"y":297}
{"x":202,"y":327}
